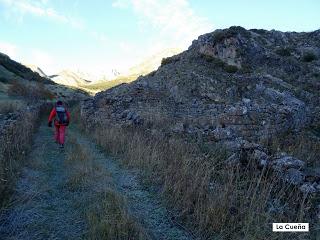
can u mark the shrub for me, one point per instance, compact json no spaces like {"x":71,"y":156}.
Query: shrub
{"x":18,"y":89}
{"x":43,"y":93}
{"x":3,"y":79}
{"x":168,"y":60}
{"x":285,"y":52}
{"x":259,"y":31}
{"x":230,"y":68}
{"x":316,"y":75}
{"x":220,"y":35}
{"x":10,"y":106}
{"x":309,"y":57}
{"x":30,"y":91}
{"x":216,"y":61}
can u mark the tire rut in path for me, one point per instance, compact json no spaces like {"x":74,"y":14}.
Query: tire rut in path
{"x":42,"y":208}
{"x":142,"y":204}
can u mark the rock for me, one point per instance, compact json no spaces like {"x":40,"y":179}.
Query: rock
{"x":293,"y":176}
{"x":283,"y":162}
{"x":261,"y":158}
{"x":250,"y":145}
{"x":276,"y":206}
{"x":222,"y":133}
{"x":312,"y":174}
{"x":178,"y":128}
{"x":308,"y":188}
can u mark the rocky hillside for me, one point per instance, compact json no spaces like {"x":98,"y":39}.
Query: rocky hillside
{"x":229,"y":128}
{"x":230,"y":83}
{"x":10,"y":69}
{"x":243,"y":88}
{"x":18,"y":80}
{"x":36,"y":69}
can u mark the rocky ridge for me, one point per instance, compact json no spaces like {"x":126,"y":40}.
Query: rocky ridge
{"x":235,"y":86}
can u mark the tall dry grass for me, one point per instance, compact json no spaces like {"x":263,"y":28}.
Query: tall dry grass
{"x":104,"y":209}
{"x":15,"y":139}
{"x":207,"y":195}
{"x":10,"y":106}
{"x":303,"y":145}
{"x":31,"y":91}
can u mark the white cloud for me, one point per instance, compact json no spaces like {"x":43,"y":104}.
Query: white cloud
{"x":40,"y":9}
{"x":101,"y":37}
{"x":9,"y":49}
{"x":175,"y":20}
{"x":120,"y":3}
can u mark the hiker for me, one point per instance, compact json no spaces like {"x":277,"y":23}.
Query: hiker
{"x":61,"y":118}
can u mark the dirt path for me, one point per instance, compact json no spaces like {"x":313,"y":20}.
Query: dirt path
{"x":46,"y":205}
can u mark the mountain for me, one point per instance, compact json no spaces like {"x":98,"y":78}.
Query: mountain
{"x":153,"y":62}
{"x":10,"y":69}
{"x":18,"y":80}
{"x":70,"y":78}
{"x":36,"y":69}
{"x":239,"y":110}
{"x":145,"y":67}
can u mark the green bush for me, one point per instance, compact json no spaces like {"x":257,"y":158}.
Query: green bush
{"x":230,"y":68}
{"x":3,"y":79}
{"x":168,"y":60}
{"x":316,"y":75}
{"x":259,"y":31}
{"x":220,"y":35}
{"x":309,"y":57}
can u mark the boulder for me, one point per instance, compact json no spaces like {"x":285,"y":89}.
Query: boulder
{"x":293,"y":176}
{"x":283,"y":162}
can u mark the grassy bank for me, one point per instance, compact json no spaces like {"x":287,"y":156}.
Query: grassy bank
{"x":206,"y":194}
{"x":17,"y":127}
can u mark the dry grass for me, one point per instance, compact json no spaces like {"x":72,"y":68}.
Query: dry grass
{"x":35,"y":91}
{"x":10,"y":106}
{"x":210,"y":197}
{"x":110,"y":220}
{"x":303,"y":145}
{"x":15,"y":139}
{"x":105,"y":210}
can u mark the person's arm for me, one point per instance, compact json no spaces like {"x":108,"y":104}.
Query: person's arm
{"x":51,"y":116}
{"x":68,"y":116}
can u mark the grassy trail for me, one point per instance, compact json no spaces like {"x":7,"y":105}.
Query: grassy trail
{"x":79,"y":193}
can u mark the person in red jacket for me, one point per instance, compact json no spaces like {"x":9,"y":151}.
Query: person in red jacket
{"x":61,"y":117}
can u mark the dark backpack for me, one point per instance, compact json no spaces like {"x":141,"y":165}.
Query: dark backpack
{"x":61,"y":115}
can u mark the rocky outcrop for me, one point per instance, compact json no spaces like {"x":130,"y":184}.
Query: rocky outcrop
{"x":233,"y":86}
{"x":289,"y":169}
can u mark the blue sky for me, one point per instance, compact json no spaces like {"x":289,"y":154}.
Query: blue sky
{"x":98,"y":35}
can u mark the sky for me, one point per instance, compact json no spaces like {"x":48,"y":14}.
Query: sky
{"x":96,"y":36}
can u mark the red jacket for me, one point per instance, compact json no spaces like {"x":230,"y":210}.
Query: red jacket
{"x":53,"y":115}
